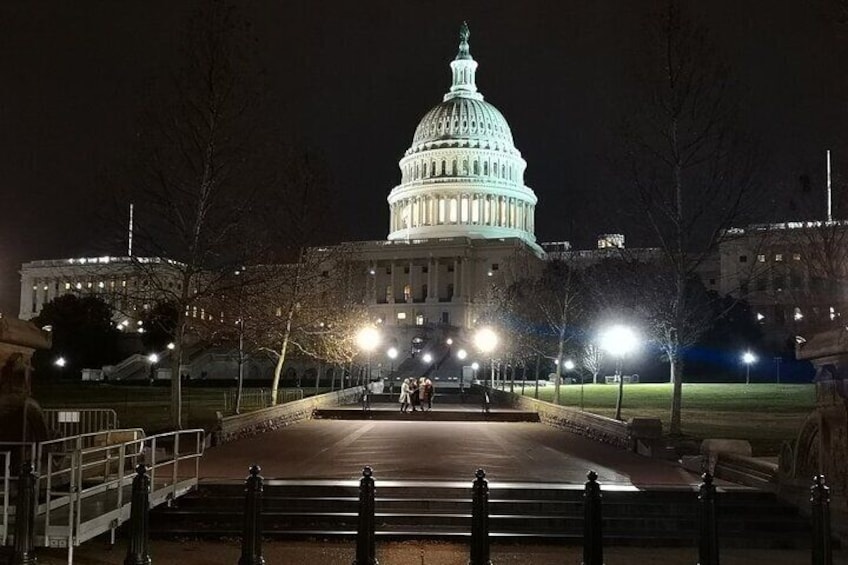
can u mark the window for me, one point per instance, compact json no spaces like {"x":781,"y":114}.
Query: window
{"x":389,"y":296}
{"x":778,"y":257}
{"x":425,"y":269}
{"x":401,"y":315}
{"x":450,"y":292}
{"x":67,"y":286}
{"x":419,"y":320}
{"x":446,"y":318}
{"x":407,"y":293}
{"x":406,"y":270}
{"x":450,"y":268}
{"x":389,"y":270}
{"x":761,"y":258}
{"x":796,"y":256}
{"x":495,"y":266}
{"x":743,"y":258}
{"x":325,"y":274}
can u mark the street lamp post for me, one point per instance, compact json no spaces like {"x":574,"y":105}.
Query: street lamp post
{"x":368,"y":338}
{"x":619,"y":341}
{"x":392,"y":353}
{"x":486,"y":340}
{"x":748,"y":358}
{"x":569,"y":366}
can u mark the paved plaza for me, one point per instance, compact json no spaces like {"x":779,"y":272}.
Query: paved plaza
{"x":338,"y":449}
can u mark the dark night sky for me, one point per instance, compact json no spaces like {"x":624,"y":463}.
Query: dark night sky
{"x":354,"y":78}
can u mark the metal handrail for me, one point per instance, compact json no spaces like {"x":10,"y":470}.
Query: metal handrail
{"x":117,"y":462}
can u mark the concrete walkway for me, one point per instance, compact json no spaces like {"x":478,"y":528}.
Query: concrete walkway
{"x":338,"y":449}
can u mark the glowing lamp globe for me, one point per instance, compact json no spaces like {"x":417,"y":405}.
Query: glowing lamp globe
{"x":486,"y":340}
{"x":367,"y":339}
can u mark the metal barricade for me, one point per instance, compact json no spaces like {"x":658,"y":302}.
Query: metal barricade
{"x":66,"y":422}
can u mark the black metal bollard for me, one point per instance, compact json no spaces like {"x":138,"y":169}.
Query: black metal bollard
{"x":138,"y":550}
{"x":707,"y":522}
{"x":25,"y":517}
{"x":820,"y":502}
{"x":365,"y":543}
{"x":593,"y":539}
{"x":251,"y":534}
{"x":480,"y":521}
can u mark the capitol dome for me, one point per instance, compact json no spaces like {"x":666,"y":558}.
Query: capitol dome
{"x":462,"y":176}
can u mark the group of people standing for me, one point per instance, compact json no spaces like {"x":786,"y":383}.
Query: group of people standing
{"x":416,"y":394}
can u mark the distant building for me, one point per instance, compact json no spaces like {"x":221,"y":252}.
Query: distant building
{"x":791,"y":273}
{"x":120,"y":281}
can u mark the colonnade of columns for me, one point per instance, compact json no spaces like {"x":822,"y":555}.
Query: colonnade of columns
{"x":463,"y":209}
{"x":405,"y":281}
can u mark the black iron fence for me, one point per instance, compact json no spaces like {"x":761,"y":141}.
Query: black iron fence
{"x":138,"y":548}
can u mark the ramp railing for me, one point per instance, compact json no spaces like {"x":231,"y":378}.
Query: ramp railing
{"x":99,"y":477}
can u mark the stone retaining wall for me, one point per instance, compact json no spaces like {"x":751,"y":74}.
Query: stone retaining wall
{"x":599,"y":428}
{"x":231,"y":428}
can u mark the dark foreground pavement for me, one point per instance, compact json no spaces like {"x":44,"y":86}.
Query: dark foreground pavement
{"x":412,"y":553}
{"x":338,"y":449}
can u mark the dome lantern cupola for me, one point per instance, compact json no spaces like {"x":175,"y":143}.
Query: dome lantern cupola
{"x":462,"y":176}
{"x":463,"y":67}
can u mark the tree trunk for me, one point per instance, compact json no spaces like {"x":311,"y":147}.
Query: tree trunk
{"x":318,"y":377}
{"x":676,"y":369}
{"x":558,"y":379}
{"x":538,"y":367}
{"x":176,"y":377}
{"x":278,"y":368}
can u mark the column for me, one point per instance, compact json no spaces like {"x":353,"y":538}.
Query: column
{"x":410,"y":283}
{"x":456,"y":289}
{"x":435,"y":280}
{"x":465,"y":279}
{"x":430,"y":285}
{"x":392,"y":283}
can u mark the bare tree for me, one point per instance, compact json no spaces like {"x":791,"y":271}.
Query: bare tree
{"x":198,"y":168}
{"x":553,"y":306}
{"x":313,"y":306}
{"x":691,"y":170}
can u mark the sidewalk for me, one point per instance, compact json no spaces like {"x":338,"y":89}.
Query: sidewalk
{"x":412,"y":553}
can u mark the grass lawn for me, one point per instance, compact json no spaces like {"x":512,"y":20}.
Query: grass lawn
{"x":141,"y":406}
{"x":764,"y":414}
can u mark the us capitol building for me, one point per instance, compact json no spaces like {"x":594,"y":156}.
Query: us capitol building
{"x":460,"y":220}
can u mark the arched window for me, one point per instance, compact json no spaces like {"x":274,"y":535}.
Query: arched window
{"x":444,"y":167}
{"x":425,"y":171}
{"x":454,"y":172}
{"x":465,"y":167}
{"x":485,"y":168}
{"x":495,"y":169}
{"x":407,"y":293}
{"x":476,"y":167}
{"x":416,"y":172}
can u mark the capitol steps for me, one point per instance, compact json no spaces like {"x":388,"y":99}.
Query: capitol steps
{"x":518,"y":511}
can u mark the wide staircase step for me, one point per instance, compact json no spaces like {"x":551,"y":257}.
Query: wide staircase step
{"x":387,"y":412}
{"x":518,"y":511}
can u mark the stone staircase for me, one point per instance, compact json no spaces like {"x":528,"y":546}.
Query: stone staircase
{"x":518,"y":511}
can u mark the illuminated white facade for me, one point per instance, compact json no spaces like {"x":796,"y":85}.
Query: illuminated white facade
{"x":462,"y":176}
